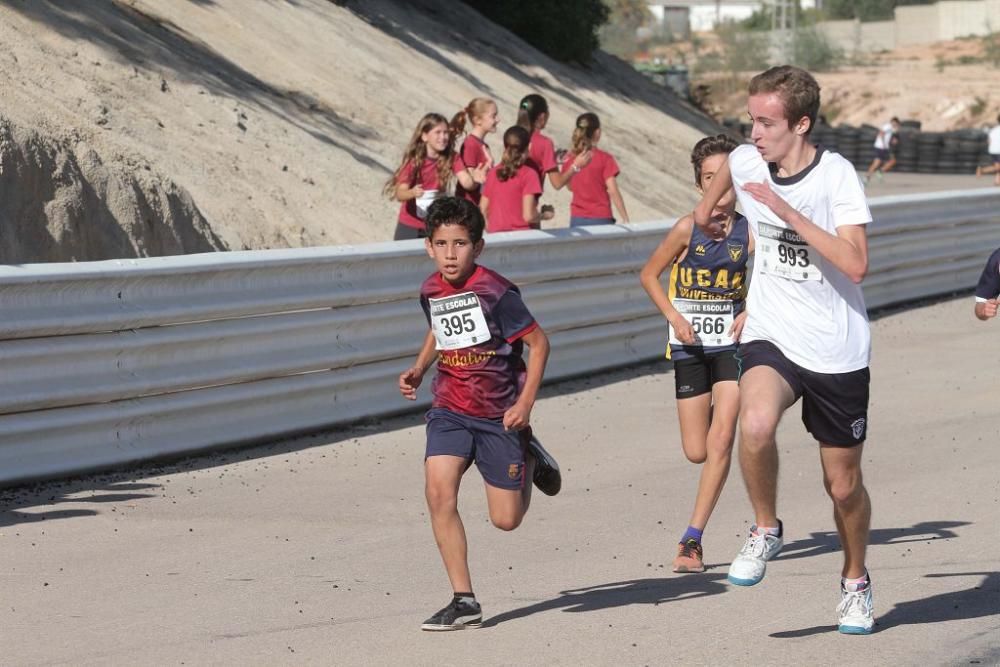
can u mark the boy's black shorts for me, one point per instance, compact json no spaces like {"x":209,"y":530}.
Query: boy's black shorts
{"x":834,"y":405}
{"x":696,"y":375}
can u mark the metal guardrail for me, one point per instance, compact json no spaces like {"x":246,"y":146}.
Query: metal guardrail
{"x":107,"y":363}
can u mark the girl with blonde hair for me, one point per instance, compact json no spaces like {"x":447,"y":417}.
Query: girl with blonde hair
{"x":595,"y":186}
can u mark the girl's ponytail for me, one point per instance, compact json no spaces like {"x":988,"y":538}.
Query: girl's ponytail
{"x":587,"y":126}
{"x":515,"y":150}
{"x":476,"y":108}
{"x":458,"y":121}
{"x":528,"y":111}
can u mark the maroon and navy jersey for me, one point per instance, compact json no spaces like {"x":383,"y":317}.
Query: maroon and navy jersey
{"x":989,"y":282}
{"x":478,"y":327}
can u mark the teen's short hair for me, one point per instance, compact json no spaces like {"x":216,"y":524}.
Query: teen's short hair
{"x":713,"y":145}
{"x":455,"y":211}
{"x":895,"y":119}
{"x":797,"y":89}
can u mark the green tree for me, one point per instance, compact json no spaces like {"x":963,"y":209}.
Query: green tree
{"x":812,"y":50}
{"x":620,"y":34}
{"x":743,"y":50}
{"x":866,"y":10}
{"x":567,"y":31}
{"x":759,"y":20}
{"x":991,"y":47}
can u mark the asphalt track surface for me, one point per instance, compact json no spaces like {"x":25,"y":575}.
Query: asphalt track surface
{"x":904,"y":183}
{"x":319,"y":550}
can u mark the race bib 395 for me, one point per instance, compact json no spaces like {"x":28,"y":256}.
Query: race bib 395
{"x":458,"y":321}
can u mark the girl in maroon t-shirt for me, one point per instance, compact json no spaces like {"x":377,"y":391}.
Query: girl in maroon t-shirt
{"x":595,"y":187}
{"x":510,"y":195}
{"x":533,"y":115}
{"x":482,"y":114}
{"x":425,"y":173}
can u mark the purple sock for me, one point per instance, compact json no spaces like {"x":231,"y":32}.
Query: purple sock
{"x":691,"y":533}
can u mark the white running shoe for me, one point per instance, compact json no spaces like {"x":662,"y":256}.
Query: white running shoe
{"x":856,"y":611}
{"x":750,"y":564}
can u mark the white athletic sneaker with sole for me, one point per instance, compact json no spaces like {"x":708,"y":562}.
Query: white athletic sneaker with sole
{"x":856,"y":611}
{"x":750,"y":564}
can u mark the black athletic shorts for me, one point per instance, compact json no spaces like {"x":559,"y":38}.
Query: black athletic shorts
{"x":696,"y":375}
{"x":834,"y":405}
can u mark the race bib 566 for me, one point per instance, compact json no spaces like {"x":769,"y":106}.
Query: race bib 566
{"x":458,"y":321}
{"x":711,"y":321}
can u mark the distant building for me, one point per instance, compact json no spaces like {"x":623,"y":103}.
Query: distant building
{"x":680,"y":18}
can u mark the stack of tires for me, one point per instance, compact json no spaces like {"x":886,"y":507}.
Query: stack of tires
{"x":972,"y":145}
{"x":849,"y":142}
{"x":948,"y":158}
{"x":928,"y":151}
{"x":906,"y":150}
{"x":825,"y":136}
{"x":735,"y":127}
{"x":866,"y":151}
{"x":954,"y":152}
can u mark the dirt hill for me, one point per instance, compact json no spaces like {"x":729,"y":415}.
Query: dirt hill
{"x":61,"y":202}
{"x":147,"y":127}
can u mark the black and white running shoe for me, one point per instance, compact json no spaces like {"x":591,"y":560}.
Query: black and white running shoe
{"x":456,"y":616}
{"x":547,"y":477}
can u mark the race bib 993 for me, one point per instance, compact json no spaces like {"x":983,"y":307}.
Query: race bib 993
{"x":782,"y":252}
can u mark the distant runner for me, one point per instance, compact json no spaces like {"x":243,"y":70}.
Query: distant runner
{"x":994,"y":150}
{"x":885,"y":150}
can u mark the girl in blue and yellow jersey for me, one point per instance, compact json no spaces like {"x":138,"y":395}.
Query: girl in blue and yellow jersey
{"x":705,"y":310}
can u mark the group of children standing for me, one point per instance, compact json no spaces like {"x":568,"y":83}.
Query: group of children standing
{"x":508,"y":190}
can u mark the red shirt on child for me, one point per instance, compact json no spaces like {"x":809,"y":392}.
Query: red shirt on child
{"x":541,"y":155}
{"x":589,"y":186}
{"x":428,"y":180}
{"x":474,"y":152}
{"x":506,"y":210}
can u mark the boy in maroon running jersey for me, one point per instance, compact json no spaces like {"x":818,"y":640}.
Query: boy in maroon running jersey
{"x":483,"y":395}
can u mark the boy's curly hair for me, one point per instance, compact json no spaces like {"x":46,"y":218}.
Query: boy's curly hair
{"x":455,"y":211}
